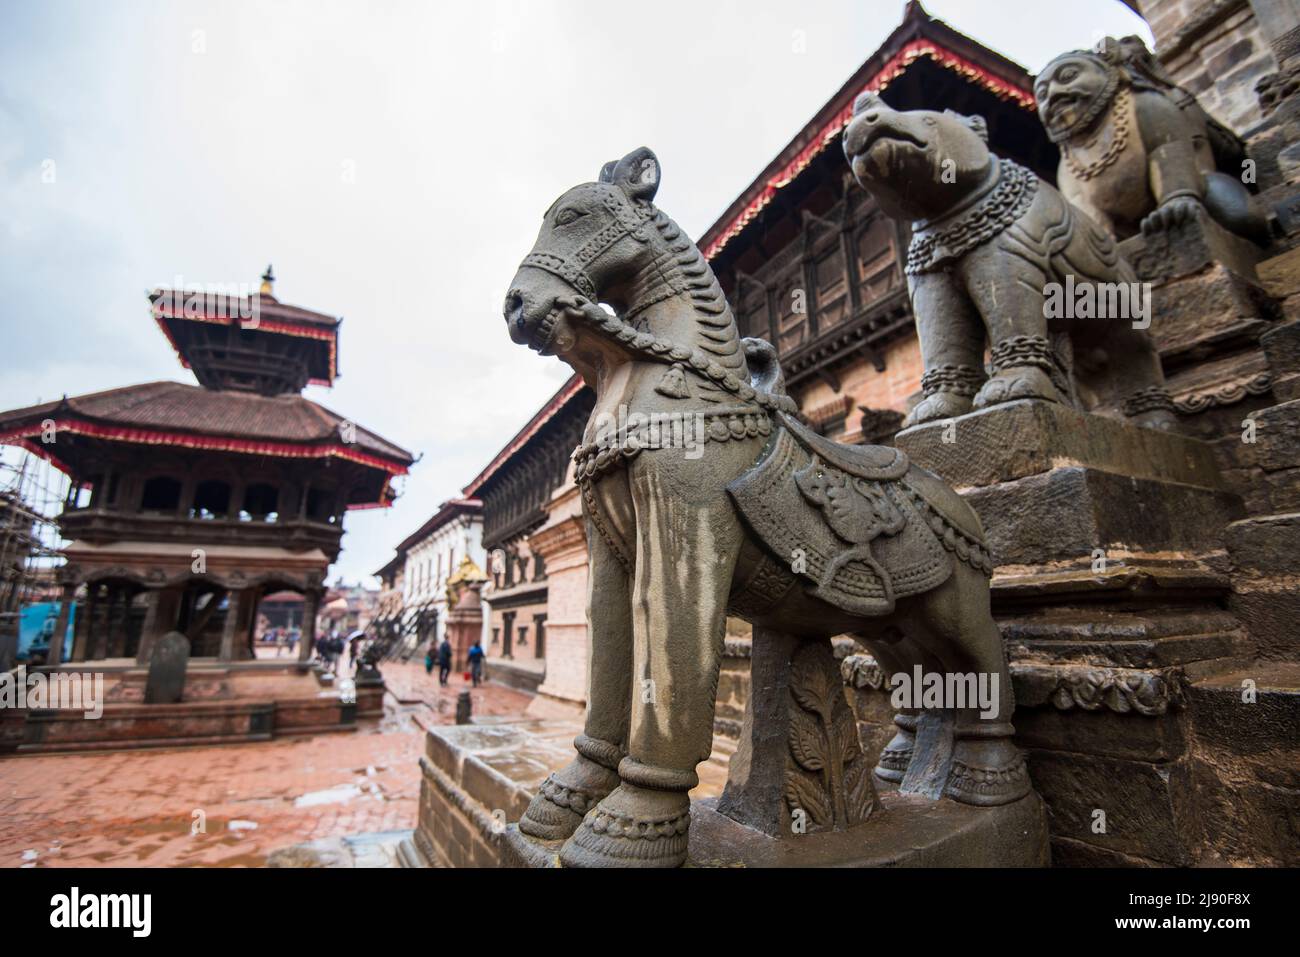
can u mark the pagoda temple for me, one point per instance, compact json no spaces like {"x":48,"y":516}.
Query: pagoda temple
{"x":189,"y":503}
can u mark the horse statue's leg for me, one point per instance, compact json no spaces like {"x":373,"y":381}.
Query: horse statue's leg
{"x":895,"y":654}
{"x":566,"y":795}
{"x":688,"y":538}
{"x":954,"y":624}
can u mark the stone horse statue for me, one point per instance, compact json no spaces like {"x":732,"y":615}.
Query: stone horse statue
{"x":704,"y":495}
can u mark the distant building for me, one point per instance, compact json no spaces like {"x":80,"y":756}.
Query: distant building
{"x":516,"y":489}
{"x":433,"y":553}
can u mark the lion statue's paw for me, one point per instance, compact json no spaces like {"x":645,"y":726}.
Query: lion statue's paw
{"x":1020,"y":382}
{"x":938,"y":405}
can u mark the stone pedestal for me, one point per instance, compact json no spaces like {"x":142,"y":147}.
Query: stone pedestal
{"x":1207,"y":301}
{"x":905,"y":831}
{"x":1113,"y":573}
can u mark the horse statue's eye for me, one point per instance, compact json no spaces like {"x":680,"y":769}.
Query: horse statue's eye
{"x":567,"y":215}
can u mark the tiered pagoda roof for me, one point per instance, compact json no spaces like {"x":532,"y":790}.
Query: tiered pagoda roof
{"x":248,"y":343}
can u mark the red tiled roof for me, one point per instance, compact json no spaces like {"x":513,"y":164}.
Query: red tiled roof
{"x":918,"y":36}
{"x":172,"y":413}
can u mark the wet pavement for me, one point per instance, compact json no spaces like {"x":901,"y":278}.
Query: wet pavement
{"x":231,"y":805}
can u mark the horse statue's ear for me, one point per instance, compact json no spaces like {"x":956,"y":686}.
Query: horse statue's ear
{"x":976,"y":123}
{"x":637,"y":173}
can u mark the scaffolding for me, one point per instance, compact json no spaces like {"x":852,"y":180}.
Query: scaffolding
{"x":32,"y":494}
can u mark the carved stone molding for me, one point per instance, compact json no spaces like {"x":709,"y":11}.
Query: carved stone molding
{"x":1229,"y":395}
{"x":1118,"y":690}
{"x":1064,"y":687}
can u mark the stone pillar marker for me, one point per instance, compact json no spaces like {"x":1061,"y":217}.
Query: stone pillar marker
{"x":167,"y":662}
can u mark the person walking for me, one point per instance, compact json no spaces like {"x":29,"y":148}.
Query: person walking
{"x":430,"y":657}
{"x":444,"y":662}
{"x":354,"y":647}
{"x":476,"y":657}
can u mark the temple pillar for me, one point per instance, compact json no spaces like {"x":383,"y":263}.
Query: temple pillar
{"x":81,"y":633}
{"x":101,"y":622}
{"x":164,"y":608}
{"x":55,"y":656}
{"x":247,"y":648}
{"x":310,"y":606}
{"x":119,"y":622}
{"x":238,"y":612}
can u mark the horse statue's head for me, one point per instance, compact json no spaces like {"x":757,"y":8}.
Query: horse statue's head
{"x":606,"y":242}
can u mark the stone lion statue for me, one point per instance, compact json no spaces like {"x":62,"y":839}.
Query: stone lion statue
{"x":990,"y":244}
{"x":1138,"y":153}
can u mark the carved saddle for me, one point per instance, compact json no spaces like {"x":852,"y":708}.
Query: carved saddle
{"x":843,"y":519}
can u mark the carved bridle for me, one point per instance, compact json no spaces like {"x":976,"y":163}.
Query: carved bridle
{"x":628,"y":221}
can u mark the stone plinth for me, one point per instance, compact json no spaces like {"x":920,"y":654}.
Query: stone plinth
{"x":1060,"y":490}
{"x":477,"y":778}
{"x":905,"y":831}
{"x":1024,"y":438}
{"x":223,"y":702}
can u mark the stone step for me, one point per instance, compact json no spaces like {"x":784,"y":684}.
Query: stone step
{"x":1277,"y":436}
{"x":1281,"y":347}
{"x":1246,"y":761}
{"x":1265,"y":555}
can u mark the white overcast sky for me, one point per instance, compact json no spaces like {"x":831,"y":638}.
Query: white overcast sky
{"x":205,"y":139}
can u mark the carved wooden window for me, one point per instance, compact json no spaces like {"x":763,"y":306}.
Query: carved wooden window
{"x":749,"y":297}
{"x":876,"y":253}
{"x":791,"y":312}
{"x":831,"y":283}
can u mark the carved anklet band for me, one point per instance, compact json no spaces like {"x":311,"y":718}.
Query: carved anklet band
{"x":1150,"y":399}
{"x":601,"y":752}
{"x":960,"y":380}
{"x":1033,"y":351}
{"x":656,"y":779}
{"x":1023,"y":351}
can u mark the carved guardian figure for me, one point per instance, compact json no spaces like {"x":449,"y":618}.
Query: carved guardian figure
{"x":1138,"y":152}
{"x":989,"y":240}
{"x":803,"y":537}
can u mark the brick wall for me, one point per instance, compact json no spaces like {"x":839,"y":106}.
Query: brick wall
{"x":1216,"y":50}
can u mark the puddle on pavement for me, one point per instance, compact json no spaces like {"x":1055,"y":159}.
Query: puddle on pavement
{"x":334,"y":795}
